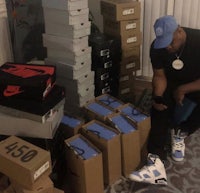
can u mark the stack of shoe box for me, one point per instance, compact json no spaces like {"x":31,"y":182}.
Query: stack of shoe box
{"x":27,"y":166}
{"x":31,"y":104}
{"x":5,"y":42}
{"x":67,"y":28}
{"x":3,"y":10}
{"x":106,"y":54}
{"x":121,"y":18}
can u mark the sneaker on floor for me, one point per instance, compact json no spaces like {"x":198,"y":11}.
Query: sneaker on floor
{"x":178,"y":146}
{"x":153,"y":173}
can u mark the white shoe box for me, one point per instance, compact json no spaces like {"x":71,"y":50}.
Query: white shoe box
{"x":81,"y":86}
{"x":75,"y":44}
{"x":11,"y":125}
{"x":69,"y":31}
{"x":65,"y":4}
{"x":69,"y":71}
{"x":66,"y":17}
{"x":79,"y":101}
{"x":78,"y":61}
{"x":65,"y":53}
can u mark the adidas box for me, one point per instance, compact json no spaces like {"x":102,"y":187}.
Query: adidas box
{"x":23,"y":162}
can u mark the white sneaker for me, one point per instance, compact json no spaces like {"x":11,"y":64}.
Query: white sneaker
{"x":153,"y":173}
{"x":178,"y":145}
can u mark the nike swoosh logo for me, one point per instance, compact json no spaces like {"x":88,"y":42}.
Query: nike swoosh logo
{"x":27,"y":71}
{"x":12,"y":90}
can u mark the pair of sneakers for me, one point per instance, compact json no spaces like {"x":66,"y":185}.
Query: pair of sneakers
{"x":154,"y":172}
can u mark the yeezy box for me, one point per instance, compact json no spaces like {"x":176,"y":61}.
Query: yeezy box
{"x":44,"y":185}
{"x":130,"y":142}
{"x":142,"y":121}
{"x":107,"y":139}
{"x":84,"y":162}
{"x":23,"y":161}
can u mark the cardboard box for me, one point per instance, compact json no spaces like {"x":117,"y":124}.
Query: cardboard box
{"x":11,"y":125}
{"x":44,"y":185}
{"x":121,"y":28}
{"x":63,"y":4}
{"x":110,"y":101}
{"x":118,"y":10}
{"x":78,"y":30}
{"x":95,"y":110}
{"x":70,"y":125}
{"x":85,"y":165}
{"x":23,"y":162}
{"x":108,"y":141}
{"x":133,"y":51}
{"x":4,"y":182}
{"x":65,"y":16}
{"x":70,"y":71}
{"x":75,"y":44}
{"x":129,"y":64}
{"x":130,"y":142}
{"x":56,"y":190}
{"x":65,"y":53}
{"x":142,"y":121}
{"x":134,"y":39}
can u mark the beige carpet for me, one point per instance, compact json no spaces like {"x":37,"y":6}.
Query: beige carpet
{"x":183,"y":177}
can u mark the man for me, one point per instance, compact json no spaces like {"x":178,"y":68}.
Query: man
{"x":175,"y":58}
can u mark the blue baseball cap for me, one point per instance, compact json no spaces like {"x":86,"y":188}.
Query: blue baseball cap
{"x":164,"y":29}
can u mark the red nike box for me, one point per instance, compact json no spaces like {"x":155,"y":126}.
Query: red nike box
{"x":31,"y":81}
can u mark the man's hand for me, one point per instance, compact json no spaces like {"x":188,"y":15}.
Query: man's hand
{"x":179,"y":95}
{"x":159,"y":106}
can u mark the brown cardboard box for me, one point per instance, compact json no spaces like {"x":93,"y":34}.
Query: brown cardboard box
{"x":56,"y":190}
{"x":110,"y":101}
{"x":130,"y":142}
{"x":118,"y":10}
{"x":96,"y":110}
{"x":44,"y":185}
{"x":121,"y":28}
{"x":70,"y":125}
{"x":131,"y":40}
{"x":129,"y":64}
{"x":4,"y":182}
{"x":85,"y":175}
{"x":141,"y":120}
{"x":23,"y":162}
{"x":110,"y":148}
{"x":132,"y":51}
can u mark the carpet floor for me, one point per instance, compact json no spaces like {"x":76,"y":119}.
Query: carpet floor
{"x":182,"y":177}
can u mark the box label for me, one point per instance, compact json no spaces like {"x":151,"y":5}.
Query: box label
{"x":130,"y":65}
{"x":128,"y":11}
{"x":131,"y":26}
{"x":41,"y":170}
{"x":131,"y":40}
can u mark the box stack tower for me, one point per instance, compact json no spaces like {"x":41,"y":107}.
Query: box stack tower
{"x":121,"y":19}
{"x":5,"y":42}
{"x":67,"y":28}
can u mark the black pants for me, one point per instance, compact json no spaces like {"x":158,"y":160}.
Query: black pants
{"x":161,"y":122}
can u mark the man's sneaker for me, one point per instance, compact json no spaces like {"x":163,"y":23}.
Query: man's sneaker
{"x":178,"y":145}
{"x":153,"y":172}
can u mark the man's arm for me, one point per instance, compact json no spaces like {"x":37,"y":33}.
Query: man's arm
{"x":185,"y":89}
{"x":159,"y":82}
